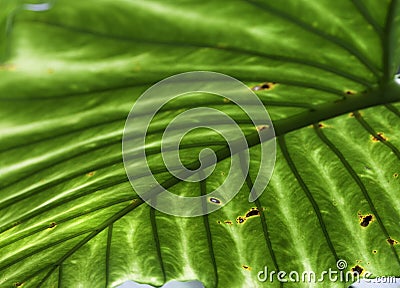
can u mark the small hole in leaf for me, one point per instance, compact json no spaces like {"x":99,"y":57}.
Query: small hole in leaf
{"x":214,"y":200}
{"x":357,"y":270}
{"x":264,"y":86}
{"x":241,"y":220}
{"x":392,"y":241}
{"x":252,"y":212}
{"x":378,"y":137}
{"x":366,"y":220}
{"x":245,"y":267}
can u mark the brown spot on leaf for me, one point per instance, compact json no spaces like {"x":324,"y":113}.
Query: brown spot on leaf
{"x":245,"y":267}
{"x":392,"y":242}
{"x":7,"y":67}
{"x":252,"y":212}
{"x":90,"y":174}
{"x":52,"y":225}
{"x":366,"y":220}
{"x":374,"y":251}
{"x":228,"y":222}
{"x":264,"y":86}
{"x":214,"y":200}
{"x":350,"y":92}
{"x":18,"y":284}
{"x":396,"y":175}
{"x":357,"y":270}
{"x":378,"y":137}
{"x":240,"y":220}
{"x":262,"y":127}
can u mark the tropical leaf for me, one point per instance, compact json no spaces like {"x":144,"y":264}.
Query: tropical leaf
{"x":325,"y":71}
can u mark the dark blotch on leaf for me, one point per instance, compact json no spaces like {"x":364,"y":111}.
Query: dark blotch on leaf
{"x":215,"y":200}
{"x":357,"y":269}
{"x":264,"y":86}
{"x":392,"y":241}
{"x":378,"y":137}
{"x":365,"y":220}
{"x":350,"y":92}
{"x":240,"y":220}
{"x":52,"y":225}
{"x":253,"y":212}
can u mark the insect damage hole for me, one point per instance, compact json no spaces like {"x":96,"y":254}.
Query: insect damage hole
{"x":264,"y":86}
{"x":240,"y":220}
{"x":378,"y":137}
{"x":392,"y":241}
{"x":365,"y":220}
{"x":245,"y":267}
{"x":214,"y":200}
{"x":253,"y":212}
{"x":357,"y":270}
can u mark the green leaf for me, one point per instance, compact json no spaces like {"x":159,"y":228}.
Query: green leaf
{"x":69,"y":217}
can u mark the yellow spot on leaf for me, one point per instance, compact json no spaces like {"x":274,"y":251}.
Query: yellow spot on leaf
{"x":245,"y":267}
